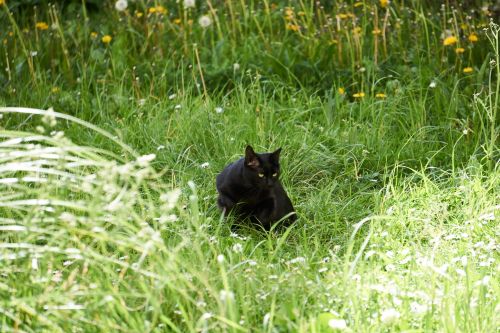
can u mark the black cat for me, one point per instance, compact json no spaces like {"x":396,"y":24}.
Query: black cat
{"x":250,"y":187}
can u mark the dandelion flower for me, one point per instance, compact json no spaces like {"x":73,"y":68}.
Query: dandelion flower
{"x":121,"y":5}
{"x":189,"y":3}
{"x":106,"y":39}
{"x":389,"y":316}
{"x":381,"y":95}
{"x":450,"y":40}
{"x":356,"y":30}
{"x":138,"y":14}
{"x":161,"y":10}
{"x":2,"y":2}
{"x":42,"y":26}
{"x":468,"y":70}
{"x":205,"y":21}
{"x":341,"y":91}
{"x":459,"y":50}
{"x":337,"y":324}
{"x":384,"y":3}
{"x":473,"y":38}
{"x":93,"y":35}
{"x":359,"y":95}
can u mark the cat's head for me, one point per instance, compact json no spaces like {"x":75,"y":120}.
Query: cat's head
{"x":263,"y":170}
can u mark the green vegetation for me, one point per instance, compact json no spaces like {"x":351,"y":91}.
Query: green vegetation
{"x":387,"y":112}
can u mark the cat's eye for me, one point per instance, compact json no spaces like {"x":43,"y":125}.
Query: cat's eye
{"x":275,"y":174}
{"x":261,"y":175}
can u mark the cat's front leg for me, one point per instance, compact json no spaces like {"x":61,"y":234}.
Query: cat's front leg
{"x":225,"y":203}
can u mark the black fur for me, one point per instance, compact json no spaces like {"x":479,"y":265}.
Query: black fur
{"x":250,"y":188}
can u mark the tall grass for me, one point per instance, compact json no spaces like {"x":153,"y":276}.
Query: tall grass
{"x":387,"y":113}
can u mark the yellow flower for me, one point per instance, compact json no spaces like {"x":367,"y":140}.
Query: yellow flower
{"x":384,"y":3}
{"x":343,"y":16}
{"x":55,"y":90}
{"x":459,"y":50}
{"x":106,"y":39}
{"x":356,"y":30}
{"x":473,"y":38}
{"x":152,"y":10}
{"x":138,"y":14}
{"x":177,"y":21}
{"x":341,"y":91}
{"x":450,"y":40}
{"x":293,"y":27}
{"x":161,"y":10}
{"x":93,"y":35}
{"x":2,"y":2}
{"x":381,"y":95}
{"x":41,"y":26}
{"x":467,"y":70}
{"x":358,"y":3}
{"x":11,"y":33}
{"x":359,"y":95}
{"x":376,"y":31}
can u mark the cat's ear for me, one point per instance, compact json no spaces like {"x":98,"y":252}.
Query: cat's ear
{"x":251,"y":158}
{"x":275,"y":155}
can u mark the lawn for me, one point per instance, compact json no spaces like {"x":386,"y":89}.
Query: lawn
{"x":116,"y":116}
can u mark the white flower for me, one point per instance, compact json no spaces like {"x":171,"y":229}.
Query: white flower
{"x":121,"y":5}
{"x":432,"y":84}
{"x":226,"y":295}
{"x":33,"y":53}
{"x":237,"y":248}
{"x":172,"y":96}
{"x":389,"y":316}
{"x":337,"y":324}
{"x":296,"y":260}
{"x":236,"y":67}
{"x":418,"y":308}
{"x":189,"y":3}
{"x":49,"y":118}
{"x":220,"y":258}
{"x":204,"y":165}
{"x":205,"y":21}
{"x":219,"y":109}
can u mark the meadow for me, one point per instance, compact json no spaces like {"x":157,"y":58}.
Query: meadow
{"x":116,"y":116}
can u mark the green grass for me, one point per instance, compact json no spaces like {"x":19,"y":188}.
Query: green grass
{"x":398,"y":196}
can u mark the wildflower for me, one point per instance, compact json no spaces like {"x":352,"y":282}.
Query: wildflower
{"x":384,"y":3}
{"x":49,"y":118}
{"x":204,"y":165}
{"x":342,"y":16}
{"x":138,"y":14}
{"x":381,"y":95}
{"x":341,"y":91}
{"x":226,"y":295}
{"x":237,"y":248}
{"x":359,"y":95}
{"x":293,"y":27}
{"x":459,"y":50}
{"x":55,"y":90}
{"x":93,"y":35}
{"x":2,"y":2}
{"x":236,"y":67}
{"x":432,"y":84}
{"x":161,"y":10}
{"x":297,"y":260}
{"x":106,"y":39}
{"x":177,"y":21}
{"x":389,"y":316}
{"x":473,"y":38}
{"x":42,"y":26}
{"x":219,"y":109}
{"x":358,"y":3}
{"x":121,"y":5}
{"x":376,"y":31}
{"x":337,"y":324}
{"x":450,"y":40}
{"x":189,"y":3}
{"x":220,"y":258}
{"x":467,"y":70}
{"x":356,"y":30}
{"x":33,"y":53}
{"x":205,"y":21}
